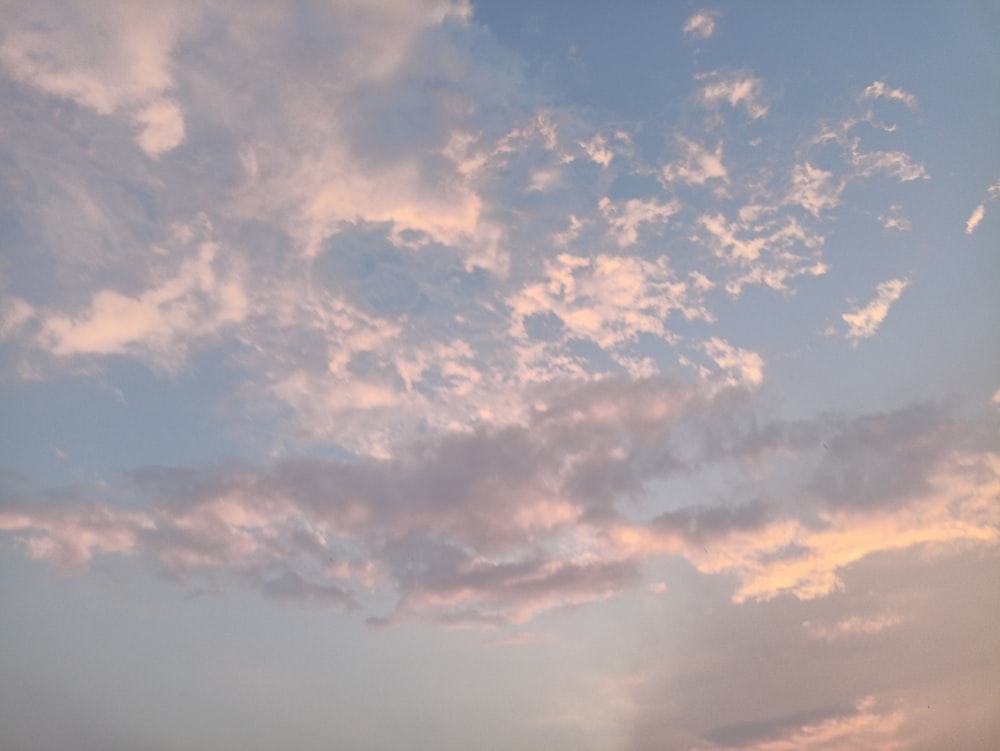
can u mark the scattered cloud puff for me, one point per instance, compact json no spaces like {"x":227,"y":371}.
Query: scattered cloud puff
{"x":745,"y":367}
{"x":894,"y":220}
{"x":880,"y":90}
{"x":160,"y":320}
{"x":735,"y":88}
{"x":625,"y":219}
{"x":697,"y":165}
{"x":863,"y":322}
{"x":979,"y":212}
{"x":700,"y":25}
{"x":975,"y":218}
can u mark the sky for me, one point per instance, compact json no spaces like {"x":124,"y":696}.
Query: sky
{"x":384,"y":374}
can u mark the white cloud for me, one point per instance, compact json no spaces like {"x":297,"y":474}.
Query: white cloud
{"x":975,"y":218}
{"x":598,"y":149}
{"x":700,"y":24}
{"x":853,"y":626}
{"x":896,"y":163}
{"x":864,"y":321}
{"x":737,"y":88}
{"x":609,"y":300}
{"x":14,"y":314}
{"x":626,"y":218}
{"x":744,"y":366}
{"x":114,"y":58}
{"x":894,"y":220}
{"x":814,"y":189}
{"x":160,"y":322}
{"x":763,"y":247}
{"x":979,"y":213}
{"x":880,"y":90}
{"x":162,"y":127}
{"x":697,"y":164}
{"x":867,"y":726}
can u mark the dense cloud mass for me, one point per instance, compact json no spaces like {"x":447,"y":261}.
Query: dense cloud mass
{"x":430,"y":318}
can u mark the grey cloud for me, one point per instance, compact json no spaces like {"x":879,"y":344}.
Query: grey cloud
{"x":883,"y":459}
{"x":701,"y":525}
{"x":500,"y":523}
{"x":773,"y":728}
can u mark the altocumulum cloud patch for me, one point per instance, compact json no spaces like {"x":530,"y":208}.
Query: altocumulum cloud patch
{"x":437,"y":316}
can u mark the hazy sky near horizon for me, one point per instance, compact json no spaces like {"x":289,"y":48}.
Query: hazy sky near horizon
{"x":445,"y":375}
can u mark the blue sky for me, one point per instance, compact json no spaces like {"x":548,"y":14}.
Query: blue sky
{"x":493,"y":375}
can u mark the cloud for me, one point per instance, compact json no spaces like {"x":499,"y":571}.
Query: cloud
{"x":894,"y":220}
{"x":625,"y":219}
{"x":851,"y":627}
{"x":697,"y":165}
{"x":735,"y":88}
{"x":975,"y":218}
{"x":608,"y":299}
{"x":161,"y":320}
{"x":979,"y":212}
{"x":863,"y":322}
{"x":762,"y":246}
{"x":867,"y":725}
{"x":497,"y":525}
{"x":895,"y":163}
{"x":128,"y":73}
{"x":746,"y":367}
{"x":880,"y":90}
{"x":700,"y":25}
{"x":814,"y":189}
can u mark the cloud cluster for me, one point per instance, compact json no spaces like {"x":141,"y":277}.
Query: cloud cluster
{"x":496,"y":525}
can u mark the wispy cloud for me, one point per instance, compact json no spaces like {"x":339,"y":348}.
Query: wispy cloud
{"x":867,"y":725}
{"x":864,"y":321}
{"x":697,"y":165}
{"x":894,"y":220}
{"x":852,"y":627}
{"x":735,"y":88}
{"x":881,"y":90}
{"x":979,"y":212}
{"x":700,"y":25}
{"x":128,"y":76}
